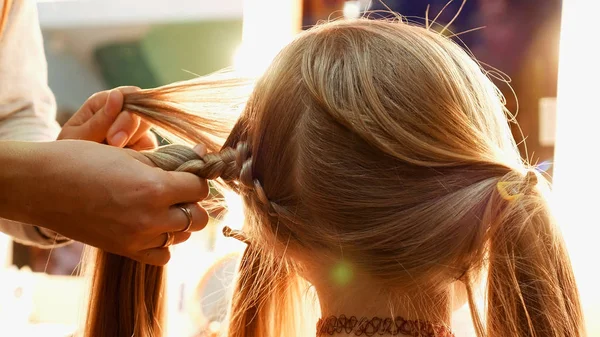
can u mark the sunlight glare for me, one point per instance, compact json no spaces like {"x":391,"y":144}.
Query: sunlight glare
{"x":576,"y":185}
{"x":268,"y":26}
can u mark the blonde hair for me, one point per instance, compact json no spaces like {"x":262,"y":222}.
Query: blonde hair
{"x":381,"y":141}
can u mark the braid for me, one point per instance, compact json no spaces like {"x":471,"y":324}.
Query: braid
{"x":226,"y":164}
{"x":231,"y":165}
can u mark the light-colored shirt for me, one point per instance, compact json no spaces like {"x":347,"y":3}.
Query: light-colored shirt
{"x":27,"y":106}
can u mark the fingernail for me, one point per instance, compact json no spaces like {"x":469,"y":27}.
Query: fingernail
{"x":200,"y":149}
{"x":107,"y":105}
{"x":119,"y":139}
{"x":110,"y":94}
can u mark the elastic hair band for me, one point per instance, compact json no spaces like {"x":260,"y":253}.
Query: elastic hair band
{"x":526,"y":186}
{"x":502,"y":187}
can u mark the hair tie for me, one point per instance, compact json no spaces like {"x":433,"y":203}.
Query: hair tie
{"x":503,"y":189}
{"x":509,"y":190}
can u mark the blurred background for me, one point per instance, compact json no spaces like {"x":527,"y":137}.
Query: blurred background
{"x":93,"y":45}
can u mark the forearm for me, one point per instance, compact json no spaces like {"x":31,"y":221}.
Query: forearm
{"x":16,"y":179}
{"x":19,"y":182}
{"x":27,"y":105}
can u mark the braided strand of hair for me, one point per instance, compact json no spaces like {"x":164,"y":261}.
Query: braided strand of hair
{"x":230,"y":165}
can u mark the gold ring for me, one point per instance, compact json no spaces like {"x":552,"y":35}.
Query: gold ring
{"x":188,"y":214}
{"x":169,"y":241}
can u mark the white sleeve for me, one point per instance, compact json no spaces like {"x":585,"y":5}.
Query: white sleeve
{"x":27,"y":106}
{"x":32,"y":235}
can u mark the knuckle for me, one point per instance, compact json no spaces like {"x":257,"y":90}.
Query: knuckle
{"x":129,"y":118}
{"x":155,"y":189}
{"x":139,"y":220}
{"x":145,"y":222}
{"x":126,"y":121}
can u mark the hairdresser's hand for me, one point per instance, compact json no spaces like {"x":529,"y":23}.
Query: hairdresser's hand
{"x":101,"y":119}
{"x":107,"y":197}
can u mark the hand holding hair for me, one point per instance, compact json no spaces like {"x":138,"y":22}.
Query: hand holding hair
{"x":114,"y":199}
{"x":102,"y":119}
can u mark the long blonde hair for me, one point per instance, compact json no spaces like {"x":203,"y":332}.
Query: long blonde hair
{"x":378,"y":140}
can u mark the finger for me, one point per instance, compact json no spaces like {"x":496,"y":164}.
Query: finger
{"x":139,"y":133}
{"x":114,"y":104}
{"x":160,"y":240}
{"x":115,"y":121}
{"x":102,"y":99}
{"x":147,"y":142}
{"x":96,"y":127}
{"x":96,"y":102}
{"x":178,"y":220}
{"x":200,"y":149}
{"x":183,"y":187}
{"x":181,"y":237}
{"x":87,"y":110}
{"x":122,"y":129}
{"x":154,"y":256}
{"x":128,"y":89}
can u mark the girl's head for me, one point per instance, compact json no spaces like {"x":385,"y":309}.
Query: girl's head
{"x":377,"y":155}
{"x":372,"y":141}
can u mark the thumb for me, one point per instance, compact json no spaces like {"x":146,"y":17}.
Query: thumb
{"x":95,"y":128}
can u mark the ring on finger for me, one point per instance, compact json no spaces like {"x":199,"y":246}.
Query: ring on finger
{"x":169,"y":241}
{"x":185,"y":209}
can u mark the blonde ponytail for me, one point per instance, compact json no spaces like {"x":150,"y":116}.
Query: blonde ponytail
{"x":127,"y":298}
{"x":531,"y":289}
{"x":266,"y":297}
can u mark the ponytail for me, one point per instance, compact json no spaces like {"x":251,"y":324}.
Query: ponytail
{"x":265,"y":300}
{"x":531,"y":288}
{"x":127,"y":298}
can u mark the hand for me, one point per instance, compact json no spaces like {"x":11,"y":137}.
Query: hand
{"x":107,"y":197}
{"x":101,"y":119}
